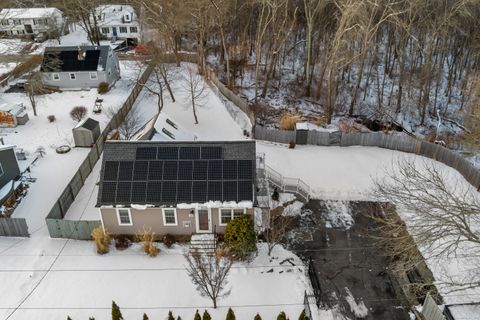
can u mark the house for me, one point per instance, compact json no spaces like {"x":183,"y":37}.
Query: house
{"x":163,"y":128}
{"x":32,"y":22}
{"x":9,"y":174}
{"x":12,"y":115}
{"x":118,"y":21}
{"x":177,"y":188}
{"x":462,"y":311}
{"x":79,"y":67}
{"x":86,"y":132}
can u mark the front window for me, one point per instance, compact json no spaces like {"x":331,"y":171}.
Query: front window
{"x":123,"y":29}
{"x":93,"y":76}
{"x":169,"y":217}
{"x":73,"y":76}
{"x":124,"y":217}
{"x":56,"y":76}
{"x":17,"y":22}
{"x":133,"y":29}
{"x":105,"y":30}
{"x":5,"y":22}
{"x":227,"y":215}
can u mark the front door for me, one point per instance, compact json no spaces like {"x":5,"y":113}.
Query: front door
{"x":203,"y":221}
{"x":114,"y":31}
{"x":28,"y":29}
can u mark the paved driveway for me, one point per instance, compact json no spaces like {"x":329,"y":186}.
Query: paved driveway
{"x":345,"y":261}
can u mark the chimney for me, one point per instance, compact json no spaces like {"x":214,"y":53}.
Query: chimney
{"x":81,"y":54}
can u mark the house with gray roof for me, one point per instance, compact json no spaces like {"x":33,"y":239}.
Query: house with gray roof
{"x":177,"y":188}
{"x":82,"y":67}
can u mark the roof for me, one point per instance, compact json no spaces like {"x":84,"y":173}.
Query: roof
{"x":15,"y":108}
{"x":171,"y":173}
{"x":88,"y":123}
{"x":28,"y":13}
{"x":6,"y":147}
{"x":65,"y":59}
{"x":163,"y":128}
{"x":114,"y":13}
{"x":462,"y":311}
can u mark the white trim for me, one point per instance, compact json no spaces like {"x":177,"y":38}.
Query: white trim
{"x":101,"y":218}
{"x":94,"y":74}
{"x":56,"y":74}
{"x":74,"y":76}
{"x":175,"y":215}
{"x":197,"y":224}
{"x":129,"y":216}
{"x":231,"y":214}
{"x":2,"y":171}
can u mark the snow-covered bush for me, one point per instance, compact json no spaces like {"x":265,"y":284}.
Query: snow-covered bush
{"x":51,"y":118}
{"x":206,"y":315}
{"x":197,"y":316}
{"x":230,"y":314}
{"x":168,"y":240}
{"x":102,"y":240}
{"x":282,"y":316}
{"x":240,"y":237}
{"x":257,"y":317}
{"x":78,"y":113}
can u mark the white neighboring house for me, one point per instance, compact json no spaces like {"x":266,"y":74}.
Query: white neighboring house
{"x":32,"y":21}
{"x":118,"y":21}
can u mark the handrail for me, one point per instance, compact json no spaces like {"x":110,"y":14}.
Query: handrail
{"x":287,"y":184}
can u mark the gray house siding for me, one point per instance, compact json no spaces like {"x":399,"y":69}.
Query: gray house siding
{"x":10,"y":167}
{"x":112,"y":73}
{"x":82,"y":80}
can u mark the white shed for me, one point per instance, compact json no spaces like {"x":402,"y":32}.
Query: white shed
{"x":86,"y":132}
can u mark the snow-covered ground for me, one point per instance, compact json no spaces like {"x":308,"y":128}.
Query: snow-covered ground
{"x":12,"y":46}
{"x":7,"y":67}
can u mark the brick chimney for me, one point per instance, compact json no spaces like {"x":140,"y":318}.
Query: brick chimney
{"x":81,"y":54}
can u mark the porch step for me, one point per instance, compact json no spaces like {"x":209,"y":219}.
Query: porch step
{"x":203,"y":244}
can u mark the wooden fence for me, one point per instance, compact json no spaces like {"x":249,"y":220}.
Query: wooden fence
{"x":81,"y":230}
{"x":13,"y":227}
{"x":377,"y":139}
{"x":430,"y":310}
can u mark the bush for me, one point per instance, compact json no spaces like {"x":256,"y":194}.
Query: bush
{"x":240,"y":237}
{"x":147,"y":237}
{"x":206,"y":315}
{"x":288,"y":121}
{"x":122,"y":242}
{"x":102,"y":240}
{"x":275,"y":195}
{"x":230,"y":314}
{"x":103,"y":88}
{"x":78,"y":113}
{"x":257,"y":317}
{"x":170,"y":315}
{"x":51,"y":118}
{"x":145,"y":317}
{"x":282,"y":316}
{"x":291,"y":144}
{"x":197,"y":316}
{"x":116,"y":313}
{"x":302,"y":315}
{"x":168,"y":240}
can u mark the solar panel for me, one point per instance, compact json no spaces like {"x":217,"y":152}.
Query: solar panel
{"x":169,"y":191}
{"x":146,"y":153}
{"x":185,"y":170}
{"x":184,"y":191}
{"x":190,"y":153}
{"x":230,"y":169}
{"x":125,"y":172}
{"x":212,"y":152}
{"x":200,"y":170}
{"x":245,"y":169}
{"x":245,"y":190}
{"x":111,"y":171}
{"x":167,"y":153}
{"x":124,"y":191}
{"x":109,"y":190}
{"x":215,"y":170}
{"x":170,"y":169}
{"x":199,"y":191}
{"x":229,"y":190}
{"x":154,"y":191}
{"x":155,"y":170}
{"x":139,"y":191}
{"x":140,"y":170}
{"x":215,"y":191}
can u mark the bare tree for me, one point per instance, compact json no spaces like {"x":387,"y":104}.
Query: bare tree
{"x":209,"y":274}
{"x":34,"y":87}
{"x":130,"y":125}
{"x":281,"y":222}
{"x":160,"y":81}
{"x":195,"y":85}
{"x":87,"y":14}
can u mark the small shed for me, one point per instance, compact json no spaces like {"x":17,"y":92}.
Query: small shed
{"x":12,"y":115}
{"x":86,"y":132}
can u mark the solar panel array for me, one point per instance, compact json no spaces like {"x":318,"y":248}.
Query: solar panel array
{"x":172,"y":174}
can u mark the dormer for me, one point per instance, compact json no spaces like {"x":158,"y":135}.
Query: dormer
{"x":127,"y":17}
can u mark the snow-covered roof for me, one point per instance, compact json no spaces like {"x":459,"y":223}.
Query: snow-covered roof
{"x":115,"y":13}
{"x":15,"y":109}
{"x":166,"y":129}
{"x":28,"y":13}
{"x":6,"y":147}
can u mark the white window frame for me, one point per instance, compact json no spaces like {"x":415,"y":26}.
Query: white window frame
{"x":57,"y":76}
{"x":232,"y":216}
{"x":174,"y":215}
{"x":120,"y":223}
{"x":136,"y":30}
{"x":105,"y":30}
{"x":122,"y":28}
{"x":93,"y":76}
{"x":74,"y":76}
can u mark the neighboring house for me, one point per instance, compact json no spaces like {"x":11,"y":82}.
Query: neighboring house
{"x":9,"y":172}
{"x":32,"y":21}
{"x":177,"y":188}
{"x":118,"y":21}
{"x":79,"y":67}
{"x":163,"y":128}
{"x":462,"y":311}
{"x":12,"y":115}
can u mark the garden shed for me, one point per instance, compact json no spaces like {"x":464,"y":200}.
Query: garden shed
{"x":12,"y":115}
{"x":86,"y":132}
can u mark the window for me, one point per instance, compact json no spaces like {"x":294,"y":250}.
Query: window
{"x":35,"y":22}
{"x":133,"y":29}
{"x":5,"y":22}
{"x":169,"y":217}
{"x":56,"y":76}
{"x":226,"y":215}
{"x":123,"y":29}
{"x":17,"y":22}
{"x":73,"y":76}
{"x":93,"y":76}
{"x":124,"y":217}
{"x":106,"y":30}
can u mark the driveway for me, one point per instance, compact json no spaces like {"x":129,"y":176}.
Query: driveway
{"x":350,"y":270}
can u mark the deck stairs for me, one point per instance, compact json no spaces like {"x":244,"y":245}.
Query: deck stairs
{"x":205,"y":243}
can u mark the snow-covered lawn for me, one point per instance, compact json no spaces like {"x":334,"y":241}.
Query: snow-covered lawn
{"x":53,"y":171}
{"x":7,"y":67}
{"x":347,"y":173}
{"x":12,"y":46}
